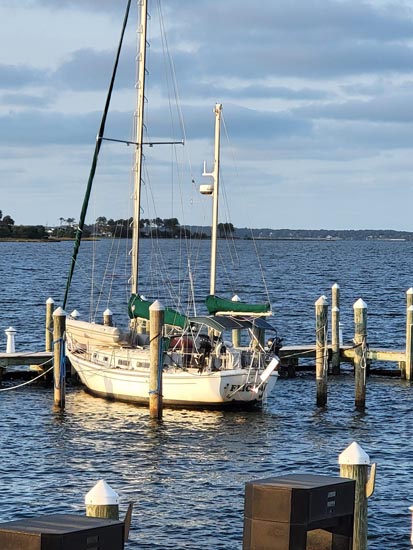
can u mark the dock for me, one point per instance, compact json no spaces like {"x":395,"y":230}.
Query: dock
{"x":290,"y":356}
{"x":22,"y":358}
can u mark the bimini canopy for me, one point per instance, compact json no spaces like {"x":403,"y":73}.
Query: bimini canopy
{"x":221,"y":323}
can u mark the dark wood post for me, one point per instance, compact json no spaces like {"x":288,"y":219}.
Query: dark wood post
{"x":321,"y":313}
{"x":156,"y":314}
{"x":360,"y":352}
{"x":59,"y":358}
{"x":49,"y":324}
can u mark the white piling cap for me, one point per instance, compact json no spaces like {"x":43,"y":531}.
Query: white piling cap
{"x":49,"y":301}
{"x":354,"y":455}
{"x":335,"y":309}
{"x":10,"y":330}
{"x":59,"y":312}
{"x":102,"y":494}
{"x":156,"y":306}
{"x":236,"y":298}
{"x":410,"y":291}
{"x":335,"y":285}
{"x":360,"y":304}
{"x":107,"y":312}
{"x":75,"y":314}
{"x":322,"y":301}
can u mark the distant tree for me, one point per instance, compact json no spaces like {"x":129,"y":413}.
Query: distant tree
{"x":225,"y":229}
{"x":7,"y":220}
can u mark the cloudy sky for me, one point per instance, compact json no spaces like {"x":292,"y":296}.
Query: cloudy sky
{"x":317,"y":98}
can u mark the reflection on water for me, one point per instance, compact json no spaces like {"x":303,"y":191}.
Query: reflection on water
{"x":187,"y":474}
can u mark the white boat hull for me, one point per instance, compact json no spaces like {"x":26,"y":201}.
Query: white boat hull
{"x":235,"y":387}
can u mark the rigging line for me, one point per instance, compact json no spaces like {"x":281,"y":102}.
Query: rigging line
{"x":174,"y":79}
{"x":115,"y":263}
{"x":174,"y":86}
{"x":252,"y":234}
{"x":95,"y":159}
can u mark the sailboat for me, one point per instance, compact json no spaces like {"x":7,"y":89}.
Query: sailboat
{"x":200,"y":367}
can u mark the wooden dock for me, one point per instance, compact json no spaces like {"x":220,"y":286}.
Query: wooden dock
{"x":23,"y":358}
{"x":290,"y":355}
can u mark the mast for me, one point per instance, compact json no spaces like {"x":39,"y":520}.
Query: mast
{"x":215,"y":193}
{"x":140,"y":101}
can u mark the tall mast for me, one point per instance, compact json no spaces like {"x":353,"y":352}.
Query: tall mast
{"x":140,"y":101}
{"x":215,"y":194}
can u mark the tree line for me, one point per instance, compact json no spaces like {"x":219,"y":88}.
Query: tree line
{"x":104,"y":227}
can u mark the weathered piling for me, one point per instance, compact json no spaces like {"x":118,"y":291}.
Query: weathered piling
{"x":102,"y":501}
{"x":321,"y":313}
{"x":406,"y":367}
{"x":49,"y":325}
{"x":360,"y":352}
{"x":59,"y":359}
{"x":236,"y":333}
{"x":10,"y":343}
{"x":108,"y":318}
{"x":335,"y":329}
{"x":156,"y":314}
{"x":354,"y":464}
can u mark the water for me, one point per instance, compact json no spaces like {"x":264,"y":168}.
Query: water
{"x":186,"y":475}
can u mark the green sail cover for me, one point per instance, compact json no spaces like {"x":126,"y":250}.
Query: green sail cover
{"x":140,"y":308}
{"x":216,"y":304}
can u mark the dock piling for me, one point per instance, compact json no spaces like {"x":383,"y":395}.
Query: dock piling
{"x":406,"y":368}
{"x":354,"y":464}
{"x":321,"y":312}
{"x":108,"y":318}
{"x":360,"y":352}
{"x":335,"y":329}
{"x":59,"y":358}
{"x":11,"y":343}
{"x":49,"y":325}
{"x":102,"y":501}
{"x":156,"y":314}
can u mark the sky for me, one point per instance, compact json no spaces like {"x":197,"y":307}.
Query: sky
{"x":317,"y":99}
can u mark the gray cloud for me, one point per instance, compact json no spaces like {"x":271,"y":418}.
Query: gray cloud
{"x":26,"y":100}
{"x":38,"y":128}
{"x":18,"y":76}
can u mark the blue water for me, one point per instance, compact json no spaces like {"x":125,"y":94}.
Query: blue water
{"x":186,"y":475}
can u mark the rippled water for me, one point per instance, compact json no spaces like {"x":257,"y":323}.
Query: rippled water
{"x":187,"y":474}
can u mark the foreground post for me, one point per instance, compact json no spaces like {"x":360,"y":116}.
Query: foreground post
{"x":335,"y":329}
{"x":49,"y":324}
{"x":102,"y":501}
{"x":321,"y":350}
{"x":59,"y":358}
{"x":156,"y":314}
{"x":354,"y":464}
{"x":360,"y":355}
{"x":406,"y":369}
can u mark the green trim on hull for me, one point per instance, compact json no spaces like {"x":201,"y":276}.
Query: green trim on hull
{"x":216,"y":304}
{"x":138,"y":308}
